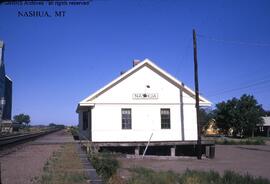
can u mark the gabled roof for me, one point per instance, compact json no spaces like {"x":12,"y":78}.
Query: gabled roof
{"x":153,"y":67}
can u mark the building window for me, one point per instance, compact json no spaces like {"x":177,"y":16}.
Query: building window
{"x":126,"y":118}
{"x":85,"y":120}
{"x":165,"y":118}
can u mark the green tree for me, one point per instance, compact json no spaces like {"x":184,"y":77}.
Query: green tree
{"x":205,"y":114}
{"x":225,"y":115}
{"x":250,"y":114}
{"x":242,"y":115}
{"x":52,"y":124}
{"x":22,"y":119}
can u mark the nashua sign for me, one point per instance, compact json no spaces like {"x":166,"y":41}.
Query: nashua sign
{"x":141,"y":96}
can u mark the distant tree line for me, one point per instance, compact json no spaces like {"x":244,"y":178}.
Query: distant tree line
{"x":56,"y":125}
{"x":241,"y":116}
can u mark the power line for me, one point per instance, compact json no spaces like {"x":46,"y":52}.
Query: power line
{"x":261,"y":89}
{"x":258,"y":44}
{"x":263,"y":78}
{"x":243,"y":87}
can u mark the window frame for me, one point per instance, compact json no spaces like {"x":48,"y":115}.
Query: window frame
{"x":165,"y":119}
{"x":126,"y":118}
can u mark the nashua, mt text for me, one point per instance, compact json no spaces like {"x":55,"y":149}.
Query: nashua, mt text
{"x":33,"y":14}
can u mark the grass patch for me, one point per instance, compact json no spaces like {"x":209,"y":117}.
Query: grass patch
{"x":248,"y":141}
{"x":142,"y":176}
{"x":148,"y":176}
{"x":64,"y":167}
{"x":105,"y":164}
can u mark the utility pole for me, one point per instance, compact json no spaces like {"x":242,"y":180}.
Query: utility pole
{"x":199,"y":141}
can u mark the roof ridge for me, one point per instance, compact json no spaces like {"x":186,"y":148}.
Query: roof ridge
{"x":137,"y":67}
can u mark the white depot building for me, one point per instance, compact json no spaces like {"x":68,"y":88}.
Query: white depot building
{"x":144,"y":103}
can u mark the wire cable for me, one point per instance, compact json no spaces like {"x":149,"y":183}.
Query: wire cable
{"x":258,"y":44}
{"x":243,"y":87}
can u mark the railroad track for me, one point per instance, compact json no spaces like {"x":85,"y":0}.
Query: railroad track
{"x":8,"y":135}
{"x":16,"y":139}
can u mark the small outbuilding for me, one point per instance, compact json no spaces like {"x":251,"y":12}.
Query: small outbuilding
{"x":264,"y":129}
{"x":143,"y":104}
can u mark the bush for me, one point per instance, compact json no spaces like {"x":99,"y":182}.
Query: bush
{"x":255,"y":141}
{"x":105,"y":165}
{"x":74,"y":130}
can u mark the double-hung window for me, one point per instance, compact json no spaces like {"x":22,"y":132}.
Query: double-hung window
{"x":165,"y":118}
{"x":126,"y":118}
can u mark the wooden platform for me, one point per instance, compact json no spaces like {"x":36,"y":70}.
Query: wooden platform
{"x":173,"y":147}
{"x":154,"y":143}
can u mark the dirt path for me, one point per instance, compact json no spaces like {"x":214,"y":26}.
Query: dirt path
{"x":26,"y":164}
{"x":242,"y":159}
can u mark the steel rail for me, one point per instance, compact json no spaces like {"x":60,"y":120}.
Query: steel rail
{"x":8,"y":140}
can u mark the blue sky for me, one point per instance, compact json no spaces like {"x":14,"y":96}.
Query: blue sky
{"x":56,"y":62}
